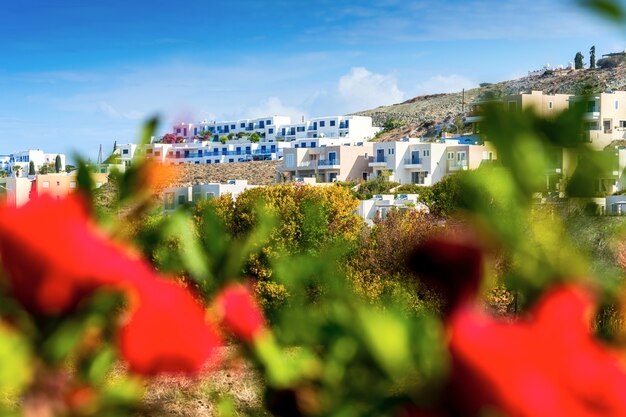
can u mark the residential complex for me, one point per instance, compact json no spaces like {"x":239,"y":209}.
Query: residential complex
{"x":282,"y":128}
{"x":379,"y":206}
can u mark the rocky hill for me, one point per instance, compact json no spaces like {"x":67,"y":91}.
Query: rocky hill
{"x":425,"y":115}
{"x":256,"y":172}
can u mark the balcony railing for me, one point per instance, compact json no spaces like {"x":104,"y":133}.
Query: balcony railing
{"x":413,"y":161}
{"x":379,"y":159}
{"x":328,"y":162}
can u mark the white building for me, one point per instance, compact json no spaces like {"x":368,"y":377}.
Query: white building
{"x":266,"y":127}
{"x":411,"y":161}
{"x":380,"y":205}
{"x":180,"y":196}
{"x":20,"y":161}
{"x":357,"y":128}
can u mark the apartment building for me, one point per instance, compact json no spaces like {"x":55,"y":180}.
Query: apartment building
{"x":266,"y":127}
{"x":357,"y":128}
{"x":545,"y":105}
{"x":206,"y":152}
{"x":327,"y":163}
{"x":411,"y":161}
{"x":604,"y":117}
{"x":20,"y":161}
{"x":60,"y":185}
{"x":176,"y":197}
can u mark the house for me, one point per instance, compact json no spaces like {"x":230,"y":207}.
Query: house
{"x":327,"y":163}
{"x":411,"y":161}
{"x":175,"y":197}
{"x":380,"y":205}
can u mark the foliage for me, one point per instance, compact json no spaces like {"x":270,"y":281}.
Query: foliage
{"x":578,"y":61}
{"x":592,"y":57}
{"x":69,"y":168}
{"x":31,"y":168}
{"x":254,"y":137}
{"x":393,"y":123}
{"x":3,"y":173}
{"x":378,"y":185}
{"x":611,"y":61}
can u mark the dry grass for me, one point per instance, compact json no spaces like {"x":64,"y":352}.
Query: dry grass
{"x":234,"y":382}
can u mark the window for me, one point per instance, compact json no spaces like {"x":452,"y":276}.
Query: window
{"x":426,"y":152}
{"x":332,"y":123}
{"x":550,"y":104}
{"x":72,"y":184}
{"x":242,"y":125}
{"x":45,"y":184}
{"x":157,"y":153}
{"x":312,"y":144}
{"x":322,"y":123}
{"x":210,"y":195}
{"x":450,"y":156}
{"x":208,"y":161}
{"x":622,"y":123}
{"x":58,"y":183}
{"x":268,"y":122}
{"x":182,"y":199}
{"x":169,"y":201}
{"x":231,"y":160}
{"x":616,"y":104}
{"x":300,"y":129}
{"x":289,"y":160}
{"x":125,"y":152}
{"x":390,"y":151}
{"x":233,"y":127}
{"x":271,"y":131}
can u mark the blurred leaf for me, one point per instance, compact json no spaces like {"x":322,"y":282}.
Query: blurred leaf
{"x":84,"y":180}
{"x":611,"y":10}
{"x":15,"y":362}
{"x":148,"y":131}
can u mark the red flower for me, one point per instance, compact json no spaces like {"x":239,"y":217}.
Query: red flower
{"x":54,"y":257}
{"x":548,"y":365}
{"x":239,"y":312}
{"x":168,"y":332}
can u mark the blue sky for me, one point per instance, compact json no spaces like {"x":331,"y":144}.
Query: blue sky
{"x":76,"y":74}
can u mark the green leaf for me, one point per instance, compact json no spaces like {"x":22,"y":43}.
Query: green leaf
{"x":609,"y":9}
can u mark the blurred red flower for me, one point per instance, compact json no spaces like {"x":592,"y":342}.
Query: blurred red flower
{"x":54,"y":257}
{"x":547,"y":365}
{"x":239,"y":312}
{"x":167,"y":332}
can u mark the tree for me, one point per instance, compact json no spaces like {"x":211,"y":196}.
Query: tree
{"x":578,"y":60}
{"x":114,"y":146}
{"x":57,"y":164}
{"x":3,"y":173}
{"x":592,"y":57}
{"x":69,"y":168}
{"x":255,"y":137}
{"x":459,"y":124}
{"x":31,"y":168}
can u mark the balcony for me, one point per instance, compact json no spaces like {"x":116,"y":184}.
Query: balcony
{"x":591,"y":115}
{"x":413,"y":163}
{"x":328,"y":164}
{"x":379,"y":161}
{"x":307,"y":165}
{"x":457,"y":165}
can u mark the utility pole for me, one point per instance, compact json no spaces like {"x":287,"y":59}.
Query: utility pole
{"x":463,"y":102}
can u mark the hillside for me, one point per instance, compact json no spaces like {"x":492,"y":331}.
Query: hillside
{"x":424,"y":115}
{"x":256,"y":172}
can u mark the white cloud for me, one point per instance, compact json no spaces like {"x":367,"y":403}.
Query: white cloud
{"x":110,"y":111}
{"x":361,"y":89}
{"x":273,"y":106}
{"x":445,"y":84}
